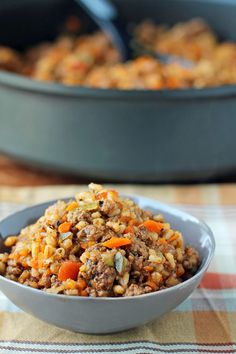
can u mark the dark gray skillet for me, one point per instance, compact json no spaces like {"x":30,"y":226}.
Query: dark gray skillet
{"x":117,"y":135}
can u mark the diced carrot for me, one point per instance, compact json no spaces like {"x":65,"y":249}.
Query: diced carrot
{"x":73,"y":205}
{"x":180,"y":271}
{"x":65,"y":227}
{"x":119,"y":204}
{"x":24,"y":264}
{"x":110,"y":194}
{"x":34,"y":264}
{"x":102,"y":195}
{"x":113,"y":194}
{"x":81,"y":284}
{"x":152,"y":284}
{"x":84,"y":245}
{"x":125,"y":219}
{"x":69,"y":270}
{"x":173,"y":238}
{"x":39,"y":238}
{"x":88,"y":244}
{"x":157,"y":85}
{"x":23,"y":252}
{"x":83,"y":293}
{"x":195,"y":51}
{"x":148,"y":268}
{"x":116,"y":242}
{"x":48,"y":272}
{"x":153,"y":226}
{"x":79,"y":66}
{"x":40,"y":264}
{"x":133,"y":222}
{"x":173,"y":82}
{"x":162,"y":241}
{"x":129,"y":229}
{"x":64,"y":218}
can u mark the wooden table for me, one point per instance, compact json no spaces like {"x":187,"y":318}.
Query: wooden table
{"x":13,"y":173}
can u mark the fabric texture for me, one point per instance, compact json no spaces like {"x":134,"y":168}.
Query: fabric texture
{"x":204,"y":323}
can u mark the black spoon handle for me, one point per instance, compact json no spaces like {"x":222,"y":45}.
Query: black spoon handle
{"x":106,"y":16}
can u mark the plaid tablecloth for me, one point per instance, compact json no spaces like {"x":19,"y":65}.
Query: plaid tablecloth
{"x":204,"y":323}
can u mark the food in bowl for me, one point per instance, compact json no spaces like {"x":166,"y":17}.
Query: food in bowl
{"x":100,"y":245}
{"x":91,"y":60}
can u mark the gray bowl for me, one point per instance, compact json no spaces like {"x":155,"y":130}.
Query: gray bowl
{"x":108,"y":315}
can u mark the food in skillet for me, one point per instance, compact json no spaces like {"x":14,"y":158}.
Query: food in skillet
{"x":91,"y":61}
{"x":99,"y":245}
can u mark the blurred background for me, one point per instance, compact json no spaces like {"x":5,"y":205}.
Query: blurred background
{"x":153,"y":100}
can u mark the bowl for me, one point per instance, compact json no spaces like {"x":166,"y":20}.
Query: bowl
{"x":103,"y":125}
{"x":108,"y":315}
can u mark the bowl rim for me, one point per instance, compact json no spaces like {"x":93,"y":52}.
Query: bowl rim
{"x":20,"y":82}
{"x":200,"y":272}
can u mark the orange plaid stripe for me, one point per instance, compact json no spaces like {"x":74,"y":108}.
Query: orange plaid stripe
{"x":218,"y":281}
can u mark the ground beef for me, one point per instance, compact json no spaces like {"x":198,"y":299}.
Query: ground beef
{"x":9,"y":60}
{"x":74,"y":216}
{"x":191,"y":259}
{"x":90,"y":232}
{"x":145,"y":236}
{"x":134,"y":290}
{"x":16,"y":271}
{"x":110,"y":208}
{"x":100,"y":276}
{"x":139,"y":248}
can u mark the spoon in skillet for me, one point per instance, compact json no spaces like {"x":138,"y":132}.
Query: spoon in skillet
{"x":107,"y":18}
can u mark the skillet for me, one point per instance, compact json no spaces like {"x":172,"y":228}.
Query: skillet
{"x":114,"y":135}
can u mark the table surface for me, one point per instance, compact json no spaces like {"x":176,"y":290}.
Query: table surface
{"x":13,"y":173}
